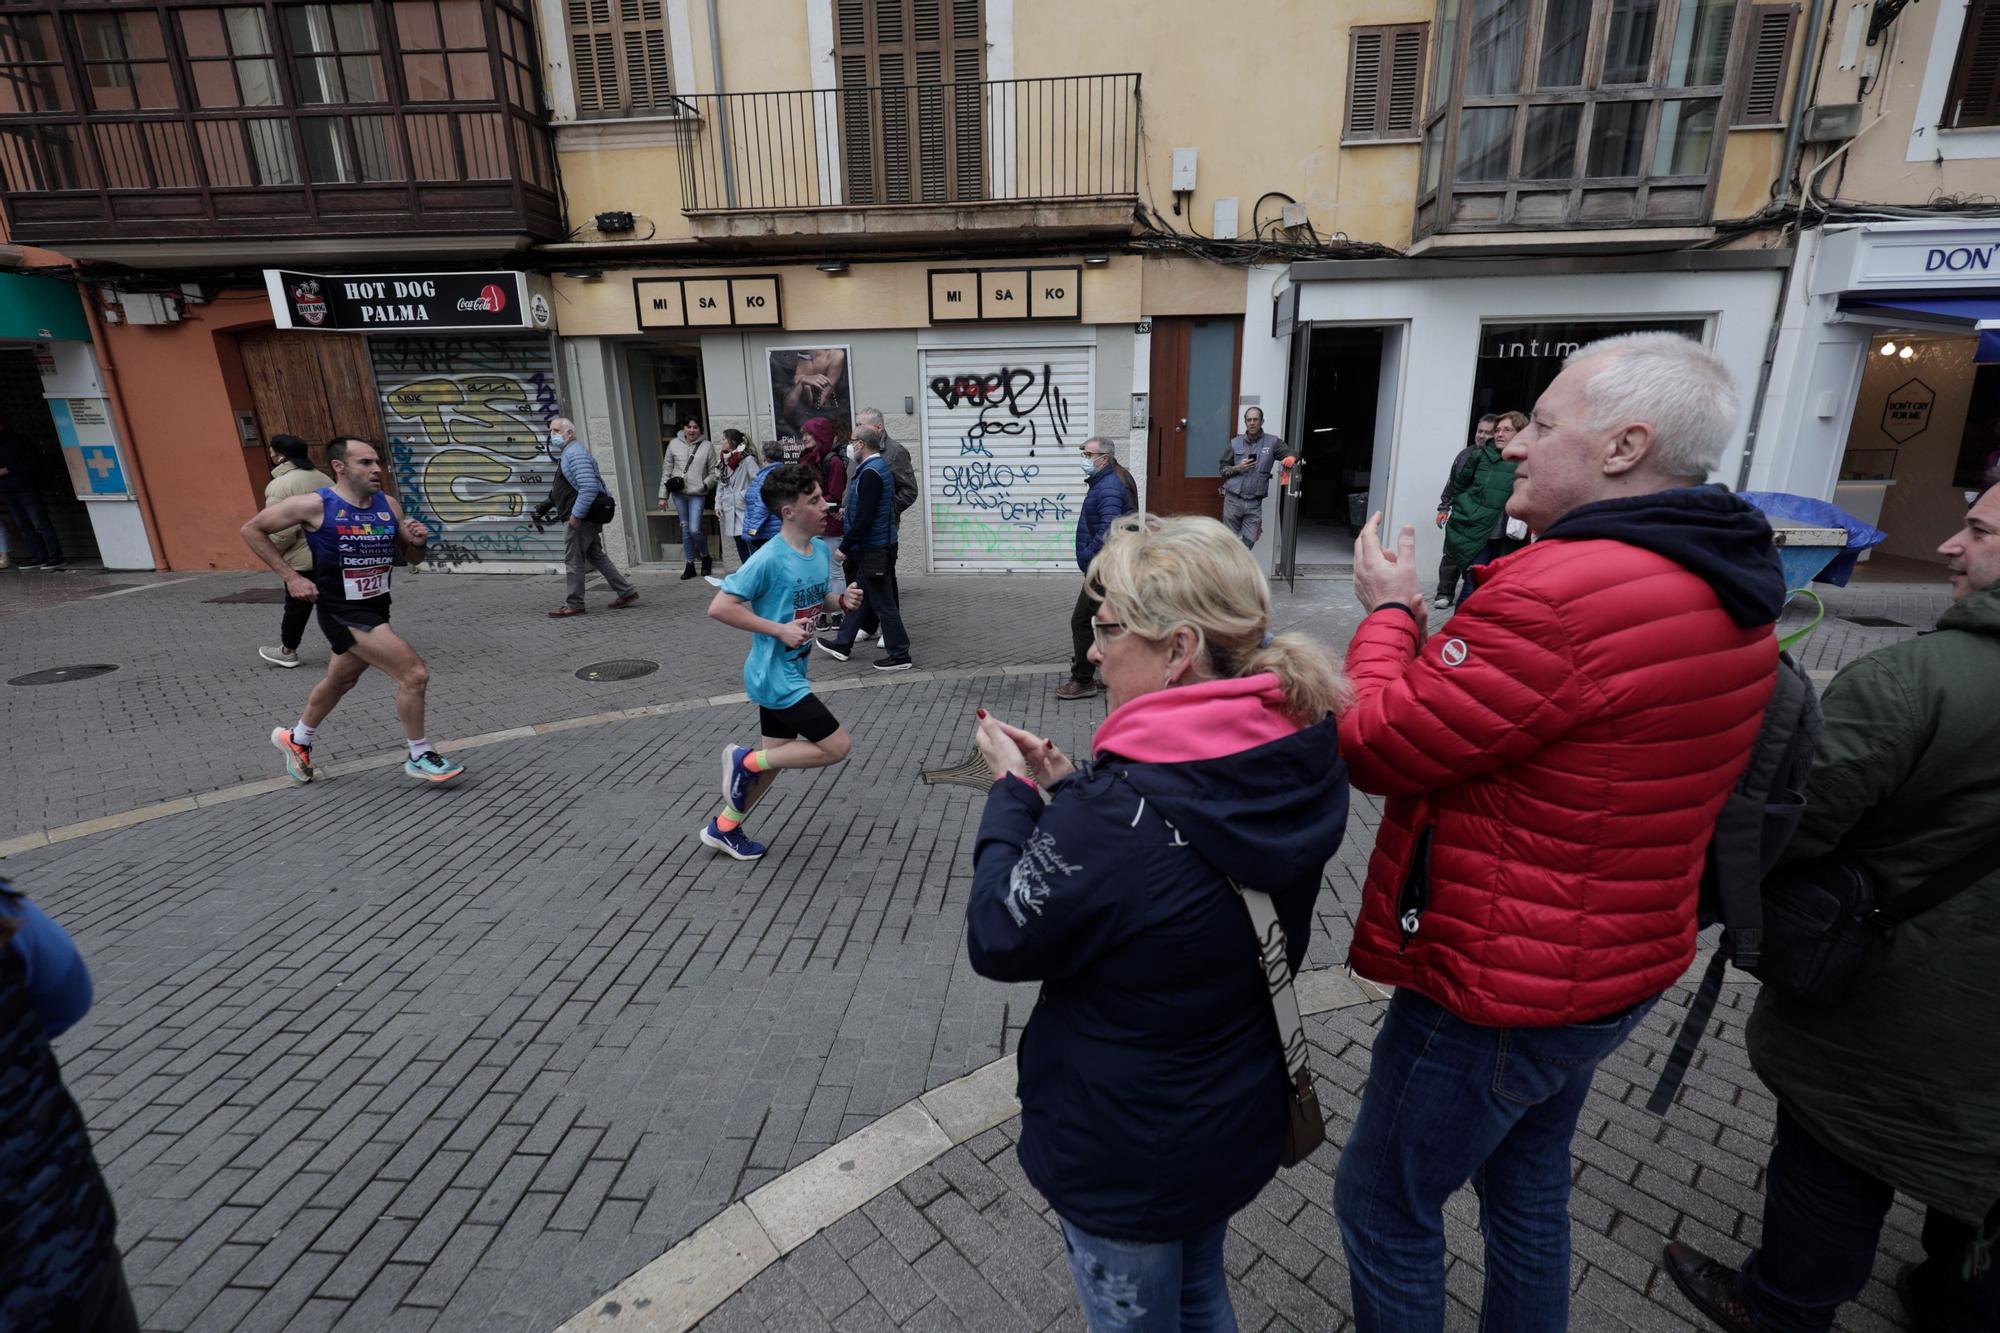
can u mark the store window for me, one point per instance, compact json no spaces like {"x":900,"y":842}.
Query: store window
{"x":1537,"y":105}
{"x":1518,"y":361}
{"x":1978,"y":463}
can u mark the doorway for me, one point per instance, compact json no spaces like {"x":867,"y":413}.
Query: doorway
{"x":668,"y":389}
{"x":24,"y":408}
{"x":312,"y":385}
{"x":1196,"y":371}
{"x":1336,"y":445}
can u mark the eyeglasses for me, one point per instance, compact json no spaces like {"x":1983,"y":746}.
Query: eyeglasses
{"x":1102,"y":630}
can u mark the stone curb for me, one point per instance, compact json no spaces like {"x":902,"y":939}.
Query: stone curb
{"x":677,"y":1290}
{"x":181,"y":805}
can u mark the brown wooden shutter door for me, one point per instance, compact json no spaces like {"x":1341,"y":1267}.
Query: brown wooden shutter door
{"x":917,"y":137}
{"x":1364,"y":83}
{"x":1385,"y":76}
{"x":1406,"y":79}
{"x":1975,"y":81}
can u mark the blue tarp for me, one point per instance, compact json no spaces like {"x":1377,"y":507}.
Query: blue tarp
{"x":1780,"y":505}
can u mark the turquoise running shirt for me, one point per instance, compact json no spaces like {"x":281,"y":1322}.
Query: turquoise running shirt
{"x":780,"y":584}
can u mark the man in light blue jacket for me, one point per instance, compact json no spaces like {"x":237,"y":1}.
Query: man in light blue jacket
{"x":583,"y":543}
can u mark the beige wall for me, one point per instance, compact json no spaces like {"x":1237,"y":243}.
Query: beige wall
{"x":867,"y":296}
{"x":1923,"y":507}
{"x":1874,"y":169}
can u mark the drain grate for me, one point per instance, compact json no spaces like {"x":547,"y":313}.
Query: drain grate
{"x":623,"y":668}
{"x":1874,"y":622}
{"x":60,"y":675}
{"x":250,"y":597}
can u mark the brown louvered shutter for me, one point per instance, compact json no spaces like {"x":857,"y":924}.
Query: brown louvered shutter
{"x":1975,"y":77}
{"x":619,"y":57}
{"x":909,"y":75}
{"x":1385,"y":75}
{"x":1761,"y":90}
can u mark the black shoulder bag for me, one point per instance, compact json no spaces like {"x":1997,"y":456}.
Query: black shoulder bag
{"x":1305,"y":1127}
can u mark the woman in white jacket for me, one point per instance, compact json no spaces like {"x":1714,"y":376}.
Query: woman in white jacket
{"x":739,"y":464}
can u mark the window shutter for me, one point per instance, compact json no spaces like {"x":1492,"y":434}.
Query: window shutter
{"x":619,"y":57}
{"x":1385,"y":69}
{"x":1761,"y":89}
{"x":918,"y":137}
{"x":1975,"y":80}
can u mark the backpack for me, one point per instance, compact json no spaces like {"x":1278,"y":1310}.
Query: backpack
{"x":1751,"y":833}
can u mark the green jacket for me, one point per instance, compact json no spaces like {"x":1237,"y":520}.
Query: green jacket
{"x":1479,"y":490}
{"x":1902,"y":1078}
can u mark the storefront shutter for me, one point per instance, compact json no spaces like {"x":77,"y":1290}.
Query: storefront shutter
{"x":1975,"y":80}
{"x":467,"y":424}
{"x":1003,"y":430}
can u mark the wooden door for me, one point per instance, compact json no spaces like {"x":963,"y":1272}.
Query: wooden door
{"x":312,"y":385}
{"x":1195,"y":373}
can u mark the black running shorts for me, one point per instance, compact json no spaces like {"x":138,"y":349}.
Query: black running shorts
{"x":808,"y":718}
{"x":339,"y":623}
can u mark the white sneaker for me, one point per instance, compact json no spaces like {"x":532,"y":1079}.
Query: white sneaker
{"x":278,"y":657}
{"x":1440,"y":603}
{"x":864,"y":635}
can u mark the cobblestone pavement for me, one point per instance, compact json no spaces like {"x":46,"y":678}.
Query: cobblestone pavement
{"x":377,"y":1055}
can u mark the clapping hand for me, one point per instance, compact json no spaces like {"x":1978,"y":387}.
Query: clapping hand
{"x":1382,"y":576}
{"x":1009,"y":749}
{"x":850,"y":600}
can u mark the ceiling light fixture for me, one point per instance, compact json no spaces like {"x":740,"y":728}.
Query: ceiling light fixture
{"x":833,"y":267}
{"x":1888,"y":349}
{"x":1907,"y":352}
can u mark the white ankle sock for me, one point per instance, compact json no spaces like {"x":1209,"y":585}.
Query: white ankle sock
{"x":303,"y":734}
{"x":419,"y":748}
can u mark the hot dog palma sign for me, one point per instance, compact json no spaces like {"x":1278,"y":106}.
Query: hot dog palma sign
{"x":384,"y":302}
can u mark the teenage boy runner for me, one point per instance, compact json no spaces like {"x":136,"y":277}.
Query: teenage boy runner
{"x":779,"y":596}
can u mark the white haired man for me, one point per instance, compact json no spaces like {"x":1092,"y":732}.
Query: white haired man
{"x":1554,"y":764}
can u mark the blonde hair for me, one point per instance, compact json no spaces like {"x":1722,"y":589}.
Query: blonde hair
{"x":1157,"y":574}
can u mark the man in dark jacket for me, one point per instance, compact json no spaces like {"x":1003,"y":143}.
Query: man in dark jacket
{"x":905,"y":474}
{"x":1554,"y":764}
{"x":20,"y":489}
{"x":868,"y":553}
{"x":1109,"y":497}
{"x":1896,"y":1088}
{"x":1448,"y":566}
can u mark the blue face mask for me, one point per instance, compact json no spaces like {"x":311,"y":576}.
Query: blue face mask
{"x":556,"y":441}
{"x":1090,"y":466}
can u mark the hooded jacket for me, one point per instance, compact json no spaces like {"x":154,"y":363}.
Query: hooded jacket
{"x":1556,"y":757}
{"x":1151,"y":1081}
{"x":1902,"y":1076}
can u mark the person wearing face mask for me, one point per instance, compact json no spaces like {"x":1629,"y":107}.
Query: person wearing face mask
{"x":583,"y":541}
{"x":1479,"y":489}
{"x":868,"y":553}
{"x":693,"y":468}
{"x":292,"y":473}
{"x":1109,"y":498}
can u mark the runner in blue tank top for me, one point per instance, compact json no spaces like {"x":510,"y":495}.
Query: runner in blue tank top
{"x":355,"y":530}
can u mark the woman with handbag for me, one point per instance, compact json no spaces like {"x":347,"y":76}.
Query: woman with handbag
{"x":692,"y":469}
{"x":1156,"y":1094}
{"x":829,"y":459}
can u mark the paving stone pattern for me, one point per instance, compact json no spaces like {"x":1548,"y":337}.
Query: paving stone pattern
{"x":377,"y":1055}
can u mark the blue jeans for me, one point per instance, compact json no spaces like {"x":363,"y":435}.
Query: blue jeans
{"x":1446,"y":1102}
{"x":694,"y":544}
{"x":1139,"y":1286}
{"x":1822,"y":1224}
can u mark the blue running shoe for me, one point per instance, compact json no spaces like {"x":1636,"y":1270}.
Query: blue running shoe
{"x":433,"y":767}
{"x":732,"y":843}
{"x":737,"y":779}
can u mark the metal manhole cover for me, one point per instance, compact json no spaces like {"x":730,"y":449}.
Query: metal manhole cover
{"x":624,"y":668}
{"x":250,"y":596}
{"x":58,"y":675}
{"x":1874,"y":622}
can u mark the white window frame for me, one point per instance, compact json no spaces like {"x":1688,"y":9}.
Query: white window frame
{"x":1929,"y":140}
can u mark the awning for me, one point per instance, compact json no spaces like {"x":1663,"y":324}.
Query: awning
{"x":38,"y":308}
{"x":1950,"y":314}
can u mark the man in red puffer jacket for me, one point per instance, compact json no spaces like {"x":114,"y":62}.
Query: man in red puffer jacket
{"x":1554,"y":761}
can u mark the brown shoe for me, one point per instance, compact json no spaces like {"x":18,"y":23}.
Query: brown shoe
{"x":1709,"y":1286}
{"x":562,"y":611}
{"x":1076,"y":689}
{"x":624,"y":600}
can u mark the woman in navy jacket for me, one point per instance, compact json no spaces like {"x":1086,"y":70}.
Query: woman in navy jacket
{"x":1153,"y":1091}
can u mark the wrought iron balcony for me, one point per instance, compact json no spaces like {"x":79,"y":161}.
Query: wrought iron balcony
{"x":186,"y":121}
{"x":913,"y":148}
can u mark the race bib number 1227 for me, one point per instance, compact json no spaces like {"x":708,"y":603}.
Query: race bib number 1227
{"x":370,"y":581}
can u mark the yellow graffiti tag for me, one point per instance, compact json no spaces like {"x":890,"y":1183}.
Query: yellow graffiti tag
{"x":446,"y":470}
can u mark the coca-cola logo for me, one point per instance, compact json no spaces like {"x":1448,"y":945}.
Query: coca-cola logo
{"x":306,"y":299}
{"x":492,"y":299}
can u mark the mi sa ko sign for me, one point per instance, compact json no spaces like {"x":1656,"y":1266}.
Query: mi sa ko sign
{"x":400,"y":302}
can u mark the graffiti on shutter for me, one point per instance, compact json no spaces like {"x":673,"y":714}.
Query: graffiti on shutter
{"x":467,"y":420}
{"x":1003,"y":432}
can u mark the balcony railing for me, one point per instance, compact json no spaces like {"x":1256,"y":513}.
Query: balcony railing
{"x":937,"y":144}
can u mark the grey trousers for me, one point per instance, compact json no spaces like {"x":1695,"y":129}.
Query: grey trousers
{"x":583,"y":550}
{"x":1243,"y":517}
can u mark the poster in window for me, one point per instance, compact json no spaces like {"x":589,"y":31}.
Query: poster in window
{"x":808,"y":382}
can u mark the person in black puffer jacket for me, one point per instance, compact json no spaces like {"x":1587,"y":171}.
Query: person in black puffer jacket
{"x":1152,"y":1084}
{"x":59,"y":1265}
